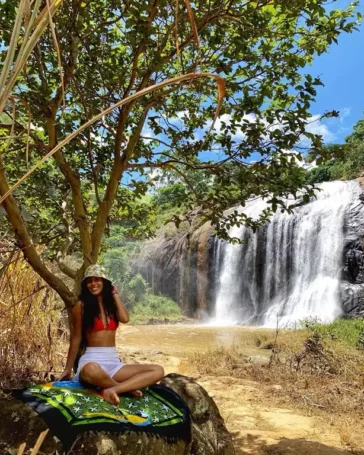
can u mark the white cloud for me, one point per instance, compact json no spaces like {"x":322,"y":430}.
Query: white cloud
{"x":226,"y":118}
{"x":344,"y":113}
{"x":99,"y":138}
{"x":327,"y":128}
{"x":303,"y":162}
{"x":36,"y":128}
{"x":315,"y":126}
{"x":177,"y":120}
{"x":147,"y":133}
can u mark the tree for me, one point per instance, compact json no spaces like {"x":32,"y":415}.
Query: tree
{"x":352,"y":158}
{"x":347,"y":160}
{"x":109,"y":50}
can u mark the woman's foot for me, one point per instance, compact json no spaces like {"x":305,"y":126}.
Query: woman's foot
{"x":110,"y":396}
{"x":136,"y":393}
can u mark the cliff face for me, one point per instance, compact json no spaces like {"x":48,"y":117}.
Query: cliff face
{"x":179,"y":267}
{"x":289,"y":261}
{"x":352,"y":285}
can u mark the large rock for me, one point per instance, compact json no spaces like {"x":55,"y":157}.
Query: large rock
{"x":352,"y":283}
{"x":19,"y":423}
{"x":186,"y":265}
{"x":180,"y":265}
{"x":209,"y":434}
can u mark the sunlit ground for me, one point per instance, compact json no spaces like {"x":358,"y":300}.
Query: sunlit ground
{"x":179,"y":340}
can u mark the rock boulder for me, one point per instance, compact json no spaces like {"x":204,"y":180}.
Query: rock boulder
{"x":19,"y":423}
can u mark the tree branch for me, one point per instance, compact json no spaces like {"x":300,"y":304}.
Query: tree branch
{"x":74,"y":181}
{"x":62,"y":253}
{"x":113,"y":184}
{"x":71,"y":177}
{"x":25,"y":243}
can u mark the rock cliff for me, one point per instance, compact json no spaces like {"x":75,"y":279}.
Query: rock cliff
{"x":187,"y":265}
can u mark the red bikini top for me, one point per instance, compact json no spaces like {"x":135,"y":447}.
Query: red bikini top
{"x":99,"y":325}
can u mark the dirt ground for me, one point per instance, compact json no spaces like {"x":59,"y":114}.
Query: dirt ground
{"x":259,"y":424}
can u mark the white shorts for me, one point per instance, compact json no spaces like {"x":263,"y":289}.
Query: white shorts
{"x":107,"y":358}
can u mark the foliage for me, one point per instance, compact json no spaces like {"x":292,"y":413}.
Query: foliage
{"x":352,"y":165}
{"x":117,"y":260}
{"x":110,"y":50}
{"x":138,"y":286}
{"x":30,"y":324}
{"x":346,"y":331}
{"x":320,"y":174}
{"x":170,"y":196}
{"x":132,"y":287}
{"x":347,"y":160}
{"x":155,"y":307}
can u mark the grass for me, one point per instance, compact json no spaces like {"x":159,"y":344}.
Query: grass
{"x":29,"y":323}
{"x":347,"y":331}
{"x":320,"y":370}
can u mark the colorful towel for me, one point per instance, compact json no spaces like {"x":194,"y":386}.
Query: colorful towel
{"x":69,"y":409}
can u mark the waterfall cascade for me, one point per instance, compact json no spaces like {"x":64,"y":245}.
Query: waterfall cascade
{"x":291,"y":268}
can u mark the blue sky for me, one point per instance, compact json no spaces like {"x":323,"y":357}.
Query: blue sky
{"x":342,"y":72}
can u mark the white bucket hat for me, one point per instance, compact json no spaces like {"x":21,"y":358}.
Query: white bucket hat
{"x":96,"y":270}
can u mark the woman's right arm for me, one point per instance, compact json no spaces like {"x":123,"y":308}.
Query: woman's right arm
{"x":74,"y":342}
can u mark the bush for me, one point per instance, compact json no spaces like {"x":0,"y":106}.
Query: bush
{"x":138,"y":287}
{"x":155,"y":306}
{"x":346,"y":331}
{"x":30,"y":326}
{"x":319,"y":174}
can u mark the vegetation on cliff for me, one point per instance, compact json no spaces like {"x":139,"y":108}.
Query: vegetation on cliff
{"x":135,"y":292}
{"x":347,"y":159}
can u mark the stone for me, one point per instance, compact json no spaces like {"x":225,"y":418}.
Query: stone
{"x":352,"y":297}
{"x":302,"y":384}
{"x":209,"y":434}
{"x":19,"y":423}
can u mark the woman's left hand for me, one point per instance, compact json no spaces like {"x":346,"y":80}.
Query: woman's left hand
{"x":114,"y":289}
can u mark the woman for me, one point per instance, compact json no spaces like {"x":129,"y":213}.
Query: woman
{"x":96,"y":317}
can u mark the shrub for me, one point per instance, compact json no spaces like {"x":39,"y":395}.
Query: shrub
{"x":155,"y":306}
{"x":30,"y":325}
{"x":138,"y":287}
{"x":347,"y":331}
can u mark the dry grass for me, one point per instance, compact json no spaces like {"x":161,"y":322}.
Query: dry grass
{"x":29,"y":323}
{"x":318,"y":374}
{"x":37,"y":446}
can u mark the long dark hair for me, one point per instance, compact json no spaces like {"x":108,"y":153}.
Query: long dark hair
{"x":91,"y":309}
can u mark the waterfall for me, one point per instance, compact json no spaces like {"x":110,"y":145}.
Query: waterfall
{"x":289,"y":270}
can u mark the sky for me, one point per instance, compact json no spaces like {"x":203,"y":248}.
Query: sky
{"x":342,"y":72}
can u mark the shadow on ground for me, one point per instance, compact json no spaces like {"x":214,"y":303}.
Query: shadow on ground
{"x":255,"y":445}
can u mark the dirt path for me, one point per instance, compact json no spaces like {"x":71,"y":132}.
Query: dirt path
{"x":258,"y":428}
{"x":258,"y":425}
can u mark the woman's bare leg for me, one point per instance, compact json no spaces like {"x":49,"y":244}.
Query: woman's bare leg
{"x":131,"y":378}
{"x":93,"y":374}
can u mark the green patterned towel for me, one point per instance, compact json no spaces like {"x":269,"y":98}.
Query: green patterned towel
{"x":69,"y":409}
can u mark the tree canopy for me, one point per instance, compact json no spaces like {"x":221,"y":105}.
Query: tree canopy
{"x":347,"y":160}
{"x":109,"y":50}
